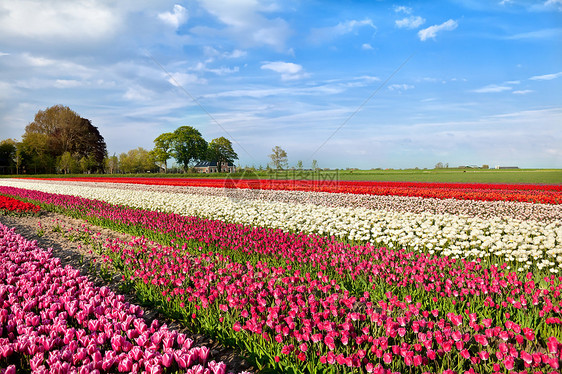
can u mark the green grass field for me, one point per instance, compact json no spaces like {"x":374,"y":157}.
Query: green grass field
{"x":515,"y":176}
{"x":533,"y":176}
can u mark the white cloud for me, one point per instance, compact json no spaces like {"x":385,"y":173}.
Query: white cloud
{"x":237,"y":53}
{"x":522,"y":92}
{"x":138,"y":93}
{"x":175,"y":19}
{"x":67,"y":83}
{"x":53,"y":67}
{"x":4,"y":54}
{"x":246,"y":21}
{"x":551,"y":33}
{"x":366,"y":46}
{"x":288,"y":70}
{"x":327,"y":33}
{"x":556,"y":4}
{"x":212,"y":54}
{"x":432,"y":31}
{"x":412,"y":22}
{"x":185,"y":79}
{"x":503,"y":2}
{"x":492,"y":88}
{"x":400,"y":87}
{"x":349,"y":26}
{"x":56,"y":20}
{"x":546,"y":77}
{"x":402,"y":9}
{"x":218,"y":71}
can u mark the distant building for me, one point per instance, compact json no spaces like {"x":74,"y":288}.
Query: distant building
{"x":212,"y":167}
{"x":507,"y":167}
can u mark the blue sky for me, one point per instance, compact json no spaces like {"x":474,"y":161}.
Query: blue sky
{"x":361,"y":84}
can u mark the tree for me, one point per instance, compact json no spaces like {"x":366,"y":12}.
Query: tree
{"x":66,"y":163}
{"x":439,"y":165}
{"x":57,"y":130}
{"x":136,"y":161}
{"x":163,"y":148}
{"x":314,"y":164}
{"x":278,"y":158}
{"x":188,"y":145}
{"x":220,"y":150}
{"x":8,"y":149}
{"x":112,"y":164}
{"x":87,"y":164}
{"x":299,"y":164}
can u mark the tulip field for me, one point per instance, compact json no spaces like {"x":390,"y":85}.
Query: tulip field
{"x":353,"y":277}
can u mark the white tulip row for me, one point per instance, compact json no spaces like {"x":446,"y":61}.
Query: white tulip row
{"x":525,"y":243}
{"x":472,"y":208}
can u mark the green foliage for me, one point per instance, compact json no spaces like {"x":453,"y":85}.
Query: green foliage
{"x":8,"y":149}
{"x":56,"y":131}
{"x":279,"y":158}
{"x":112,"y":164}
{"x":163,"y":149}
{"x":188,"y":145}
{"x":220,"y":150}
{"x":314,"y":164}
{"x":67,"y":163}
{"x":137,"y":161}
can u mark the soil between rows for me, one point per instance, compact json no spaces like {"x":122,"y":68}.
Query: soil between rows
{"x":79,"y":256}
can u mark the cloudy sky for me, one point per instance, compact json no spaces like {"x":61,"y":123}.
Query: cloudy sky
{"x":349,"y":83}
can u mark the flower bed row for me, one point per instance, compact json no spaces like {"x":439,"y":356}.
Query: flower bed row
{"x":442,"y":315}
{"x":452,"y":288}
{"x":546,"y":194}
{"x":469,"y":208}
{"x":54,"y":320}
{"x":526,"y":245}
{"x":9,"y":205}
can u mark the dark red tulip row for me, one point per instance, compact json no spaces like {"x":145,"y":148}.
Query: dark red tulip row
{"x":545,"y":194}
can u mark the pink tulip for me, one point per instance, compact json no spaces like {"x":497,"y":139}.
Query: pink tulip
{"x":217,"y":367}
{"x":387,"y":357}
{"x":125,"y":364}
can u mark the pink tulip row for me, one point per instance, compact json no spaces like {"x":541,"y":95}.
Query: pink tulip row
{"x":52,"y":320}
{"x":309,"y":318}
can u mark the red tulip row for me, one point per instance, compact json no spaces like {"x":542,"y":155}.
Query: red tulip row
{"x":52,"y":320}
{"x":10,"y":205}
{"x":302,"y":293}
{"x":546,"y":194}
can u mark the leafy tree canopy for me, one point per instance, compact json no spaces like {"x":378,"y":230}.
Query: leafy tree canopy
{"x":220,"y":150}
{"x":57,"y":130}
{"x":279,"y":158}
{"x":188,"y":145}
{"x":163,"y":148}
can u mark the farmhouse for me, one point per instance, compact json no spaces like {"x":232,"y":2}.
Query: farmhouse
{"x":212,"y":167}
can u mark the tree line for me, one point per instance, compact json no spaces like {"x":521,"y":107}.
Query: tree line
{"x":60,"y":141}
